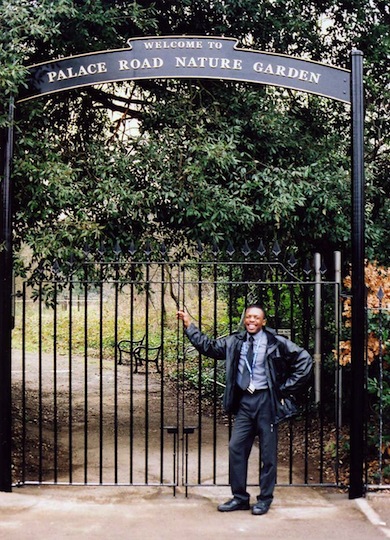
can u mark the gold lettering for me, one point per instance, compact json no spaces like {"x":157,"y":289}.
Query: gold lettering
{"x":123,"y":65}
{"x":269,"y":70}
{"x":70,"y":73}
{"x":61,"y":75}
{"x":191,"y":63}
{"x":101,"y":67}
{"x":292,"y":73}
{"x":314,"y":77}
{"x":303,"y":75}
{"x":135,"y":63}
{"x":181,"y":62}
{"x":82,"y":71}
{"x":52,"y":76}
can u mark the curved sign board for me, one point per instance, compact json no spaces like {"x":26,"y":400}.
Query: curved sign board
{"x":180,"y":57}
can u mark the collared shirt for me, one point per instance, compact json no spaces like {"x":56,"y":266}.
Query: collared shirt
{"x":259,"y":377}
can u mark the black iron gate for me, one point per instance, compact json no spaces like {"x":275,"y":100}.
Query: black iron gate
{"x":107,"y":389}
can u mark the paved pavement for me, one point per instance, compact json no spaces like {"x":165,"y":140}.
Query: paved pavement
{"x":102,"y":512}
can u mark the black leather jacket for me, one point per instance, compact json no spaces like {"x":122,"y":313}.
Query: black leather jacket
{"x":288,"y":367}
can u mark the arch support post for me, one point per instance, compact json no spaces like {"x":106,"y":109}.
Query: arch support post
{"x":356,"y":485}
{"x":6,"y":305}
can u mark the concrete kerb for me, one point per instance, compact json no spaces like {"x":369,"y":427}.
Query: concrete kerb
{"x":153,"y":513}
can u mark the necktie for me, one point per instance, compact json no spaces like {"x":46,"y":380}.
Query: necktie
{"x":249,"y":354}
{"x":245,"y":380}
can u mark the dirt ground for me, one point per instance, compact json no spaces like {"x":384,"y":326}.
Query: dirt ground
{"x":91,"y":421}
{"x":98,"y":422}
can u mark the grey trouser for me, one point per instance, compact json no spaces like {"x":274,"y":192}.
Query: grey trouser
{"x":254,"y":417}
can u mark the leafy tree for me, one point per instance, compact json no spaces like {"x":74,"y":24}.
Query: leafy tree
{"x":208,"y":160}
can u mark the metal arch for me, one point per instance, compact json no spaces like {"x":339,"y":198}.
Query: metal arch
{"x":351,"y":87}
{"x":187,"y":57}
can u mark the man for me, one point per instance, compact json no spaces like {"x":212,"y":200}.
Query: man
{"x":263,"y":372}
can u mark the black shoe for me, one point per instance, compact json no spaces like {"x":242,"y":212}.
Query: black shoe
{"x":233,"y":504}
{"x":260,"y":508}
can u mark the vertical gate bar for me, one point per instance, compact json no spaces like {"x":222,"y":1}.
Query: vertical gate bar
{"x":338,"y":384}
{"x":40,"y":396}
{"x":291,"y":451}
{"x":307,"y":428}
{"x":215,"y":277}
{"x":186,"y":465}
{"x":306,"y":316}
{"x":230,"y":297}
{"x":70,"y":380}
{"x":245,"y":279}
{"x":133,"y":273}
{"x":147,"y":290}
{"x":162,"y":416}
{"x":292,"y":324}
{"x":55,"y":404}
{"x":305,"y":313}
{"x":230,"y":416}
{"x":24,"y":411}
{"x":277,"y":300}
{"x":381,"y":394}
{"x":321,"y":404}
{"x":200,"y":364}
{"x":85,"y":373}
{"x":173,"y":430}
{"x":317,"y":325}
{"x":180,"y":365}
{"x":101,"y":390}
{"x":366,"y":407}
{"x":116,"y":315}
{"x":307,"y":422}
{"x":182,"y":402}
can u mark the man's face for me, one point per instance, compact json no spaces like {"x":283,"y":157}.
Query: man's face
{"x":254,"y":320}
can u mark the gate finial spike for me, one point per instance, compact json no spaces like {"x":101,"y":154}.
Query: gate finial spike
{"x":148,"y":249}
{"x":276,"y":249}
{"x":163,"y":249}
{"x":230,"y":249}
{"x":71,"y":260}
{"x":261,"y":249}
{"x":132,"y":249}
{"x":307,"y":267}
{"x":102,"y":249}
{"x":86,"y":250}
{"x":199,"y":247}
{"x":292,"y":260}
{"x":55,"y":267}
{"x":246,"y":249}
{"x":117,"y":249}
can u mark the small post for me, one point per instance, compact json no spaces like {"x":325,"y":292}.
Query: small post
{"x":317,"y":316}
{"x":356,"y":486}
{"x":337,"y":304}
